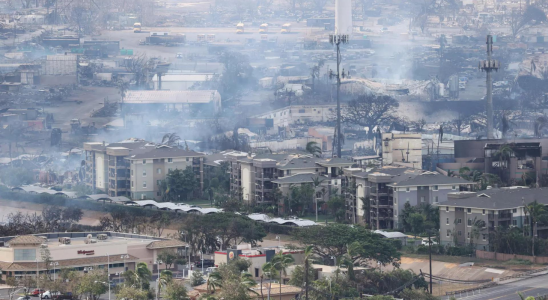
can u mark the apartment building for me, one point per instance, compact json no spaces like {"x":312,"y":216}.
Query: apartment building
{"x":502,"y":207}
{"x":147,"y":170}
{"x":114,"y":168}
{"x":256,"y":176}
{"x":386,"y":191}
{"x":402,"y":148}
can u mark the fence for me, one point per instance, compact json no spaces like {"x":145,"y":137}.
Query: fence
{"x":505,"y":257}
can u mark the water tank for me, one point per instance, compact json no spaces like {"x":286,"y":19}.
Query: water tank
{"x":343,"y":17}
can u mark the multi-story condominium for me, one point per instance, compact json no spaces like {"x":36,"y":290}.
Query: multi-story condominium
{"x":255,"y":177}
{"x":504,"y":207}
{"x":134,"y":168}
{"x":385,"y":192}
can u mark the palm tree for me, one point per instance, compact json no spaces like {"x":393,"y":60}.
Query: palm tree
{"x":314,"y":149}
{"x":170,"y":139}
{"x":248,"y":283}
{"x":504,"y":153}
{"x":538,"y":213}
{"x":464,"y":172}
{"x":478,"y":225}
{"x":270,"y":271}
{"x":166,"y":276}
{"x":214,"y":281}
{"x":281,"y":261}
{"x":307,"y":254}
{"x":144,"y":274}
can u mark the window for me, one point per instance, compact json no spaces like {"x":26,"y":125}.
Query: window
{"x":454,"y":187}
{"x":435,"y":188}
{"x":469,"y":222}
{"x":169,"y":170}
{"x":395,"y":212}
{"x":422,"y":198}
{"x":459,"y":221}
{"x":515,"y":210}
{"x":407,"y":189}
{"x":447,"y":221}
{"x":484,"y":236}
{"x":468,"y":235}
{"x":158,"y":182}
{"x":469,"y":210}
{"x":132,"y":183}
{"x":483,"y":212}
{"x":131,"y":172}
{"x":395,"y":200}
{"x":447,"y":208}
{"x":288,"y":172}
{"x":159,"y":171}
{"x":170,"y":160}
{"x":515,"y":222}
{"x":187,"y":159}
{"x":24,"y":254}
{"x":448,"y":232}
{"x":144,"y":184}
{"x":435,"y":199}
{"x":301,"y":111}
{"x":460,"y":233}
{"x":144,"y":161}
{"x":144,"y":173}
{"x":256,"y":272}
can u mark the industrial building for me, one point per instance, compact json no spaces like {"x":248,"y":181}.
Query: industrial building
{"x":207,"y":101}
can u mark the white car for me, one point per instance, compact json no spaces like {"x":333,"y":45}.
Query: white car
{"x":425,"y":242}
{"x":49,"y":294}
{"x":24,"y":298}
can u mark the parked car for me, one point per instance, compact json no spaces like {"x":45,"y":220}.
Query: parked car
{"x":207,"y":263}
{"x":36,"y":292}
{"x":67,"y":296}
{"x":211,"y":269}
{"x":425,"y":242}
{"x":24,"y":298}
{"x":50,"y":294}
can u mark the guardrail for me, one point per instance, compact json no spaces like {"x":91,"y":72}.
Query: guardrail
{"x":488,"y":285}
{"x":492,"y":284}
{"x":523,"y":274}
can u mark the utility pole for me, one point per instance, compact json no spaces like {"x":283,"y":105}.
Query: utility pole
{"x":488,"y":66}
{"x":337,"y":40}
{"x":430,"y":257}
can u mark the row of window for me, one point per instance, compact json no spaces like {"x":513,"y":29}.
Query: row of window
{"x":434,"y":188}
{"x":469,"y":210}
{"x":459,"y":233}
{"x":459,"y":221}
{"x":169,"y":160}
{"x":158,"y":171}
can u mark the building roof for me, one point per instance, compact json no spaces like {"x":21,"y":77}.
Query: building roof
{"x":431,"y":178}
{"x":335,"y":162}
{"x":391,"y":235}
{"x":165,"y":152}
{"x":192,"y":77}
{"x":26,"y":240}
{"x":298,"y":178}
{"x":165,"y":244}
{"x":495,"y":199}
{"x":298,"y":163}
{"x":85,"y":261}
{"x":281,"y":221}
{"x":163,"y":97}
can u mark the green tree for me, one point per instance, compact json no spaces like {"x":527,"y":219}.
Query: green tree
{"x":281,"y":261}
{"x":169,"y":258}
{"x":92,"y":284}
{"x":214,"y":281}
{"x":175,"y":291}
{"x":270,"y":272}
{"x":197,"y":278}
{"x":166,"y":277}
{"x":337,"y":207}
{"x":332,"y":241}
{"x":181,"y":184}
{"x":416,"y":220}
{"x":127,"y":292}
{"x":314,"y":149}
{"x":537,"y":213}
{"x":478,"y":226}
{"x":17,"y":176}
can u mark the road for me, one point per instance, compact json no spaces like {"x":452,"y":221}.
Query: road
{"x":536,"y":286}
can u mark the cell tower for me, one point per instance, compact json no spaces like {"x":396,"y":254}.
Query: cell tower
{"x":488,"y":66}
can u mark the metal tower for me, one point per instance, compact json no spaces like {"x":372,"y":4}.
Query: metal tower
{"x":488,"y":66}
{"x":336,"y":40}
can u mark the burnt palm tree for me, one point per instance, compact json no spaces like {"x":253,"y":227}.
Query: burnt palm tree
{"x":171,"y":139}
{"x":314,"y":149}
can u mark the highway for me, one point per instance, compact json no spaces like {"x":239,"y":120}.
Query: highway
{"x":537,"y":286}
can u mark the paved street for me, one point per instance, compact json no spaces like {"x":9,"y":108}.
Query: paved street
{"x":537,"y":286}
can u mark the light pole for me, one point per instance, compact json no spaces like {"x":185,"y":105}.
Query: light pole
{"x":188,"y":253}
{"x":158,"y":262}
{"x":337,"y":39}
{"x":202,"y":258}
{"x":279,"y":239}
{"x":38,"y":280}
{"x":108,"y":275}
{"x":123,"y":257}
{"x":54,"y":264}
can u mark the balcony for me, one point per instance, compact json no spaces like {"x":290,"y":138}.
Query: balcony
{"x":499,"y":217}
{"x":382,"y":203}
